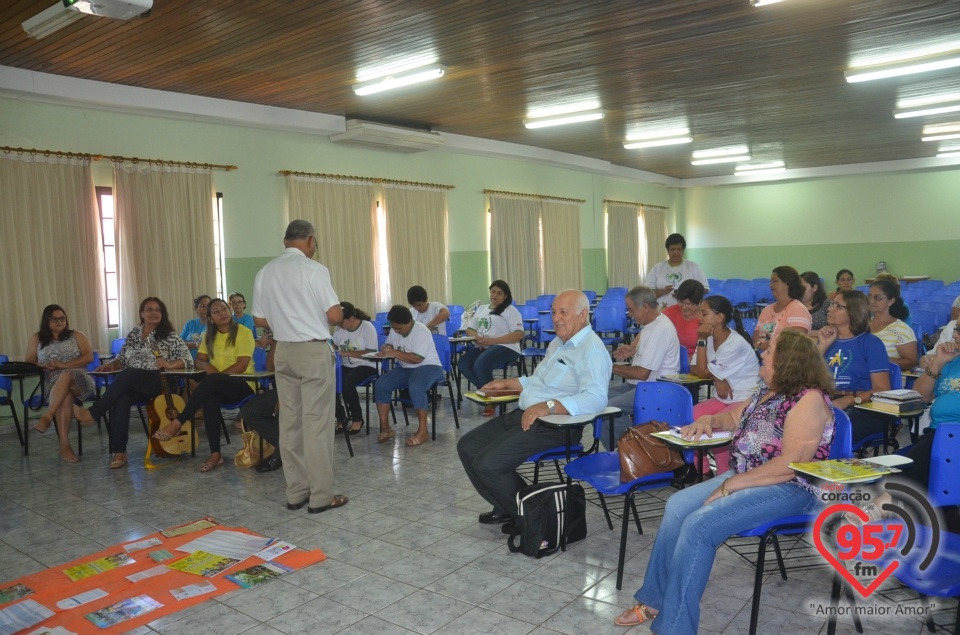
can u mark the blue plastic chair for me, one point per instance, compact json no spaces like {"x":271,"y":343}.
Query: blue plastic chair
{"x":116,"y":345}
{"x":545,"y":302}
{"x":876,"y":440}
{"x":749,"y":325}
{"x":6,"y":385}
{"x":926,"y":319}
{"x":767,"y":532}
{"x":609,"y":319}
{"x":684,"y":360}
{"x":591,"y":295}
{"x":536,"y":335}
{"x":443,"y":351}
{"x":654,"y":401}
{"x":918,"y":333}
{"x":456,"y":316}
{"x":558,"y":453}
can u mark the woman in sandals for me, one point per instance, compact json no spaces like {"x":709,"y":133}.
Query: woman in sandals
{"x":226,"y":354}
{"x":64,"y":354}
{"x":788,"y":419}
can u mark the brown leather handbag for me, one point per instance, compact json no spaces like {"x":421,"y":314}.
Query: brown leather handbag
{"x":643,"y":455}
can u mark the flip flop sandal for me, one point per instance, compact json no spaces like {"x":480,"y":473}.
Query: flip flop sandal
{"x":339,"y":500}
{"x":206,"y":467}
{"x":384,"y":439}
{"x":116,"y":464}
{"x":160,"y":435}
{"x":413,"y":442}
{"x":641,"y":611}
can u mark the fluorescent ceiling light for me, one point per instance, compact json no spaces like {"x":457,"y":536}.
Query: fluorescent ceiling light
{"x":669,"y":141}
{"x":763,"y":3}
{"x":752,"y":172}
{"x":941,"y":128}
{"x":415,"y":76}
{"x":948,"y":155}
{"x":731,"y":159}
{"x":49,"y":20}
{"x":750,"y":167}
{"x":559,"y":120}
{"x":907,"y":67}
{"x":720,"y":152}
{"x":563,"y":109}
{"x":942,"y":137}
{"x":904,"y":113}
{"x":659,"y":134}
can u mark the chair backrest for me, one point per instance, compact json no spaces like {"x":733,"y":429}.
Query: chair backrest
{"x":749,"y":325}
{"x":259,"y":359}
{"x":116,"y":345}
{"x":339,"y":374}
{"x":591,"y":295}
{"x":545,"y":302}
{"x":918,"y":333}
{"x":607,"y":319}
{"x":528,"y":311}
{"x":662,"y":401}
{"x":842,"y":446}
{"x":684,"y":360}
{"x":443,"y":351}
{"x":6,"y":384}
{"x":896,"y":377}
{"x":456,"y":316}
{"x":96,"y":361}
{"x":926,"y":319}
{"x":545,"y":322}
{"x":944,"y":487}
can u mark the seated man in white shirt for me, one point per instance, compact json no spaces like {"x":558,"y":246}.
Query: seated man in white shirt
{"x":572,"y":379}
{"x":418,"y":368}
{"x":656,"y":352}
{"x":433,"y":315}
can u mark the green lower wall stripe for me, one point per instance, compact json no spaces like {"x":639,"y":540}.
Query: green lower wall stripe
{"x":935,"y":258}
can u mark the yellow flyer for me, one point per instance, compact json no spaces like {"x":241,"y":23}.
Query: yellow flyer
{"x":842,"y":470}
{"x":107,"y":563}
{"x":203,"y":563}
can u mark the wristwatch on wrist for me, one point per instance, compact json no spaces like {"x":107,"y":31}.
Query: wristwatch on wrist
{"x":856,"y":399}
{"x":701,"y":343}
{"x":552,"y":405}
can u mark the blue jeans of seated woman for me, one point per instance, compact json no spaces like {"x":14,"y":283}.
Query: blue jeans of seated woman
{"x":687,"y":542}
{"x":416,"y":380}
{"x":478,"y":366}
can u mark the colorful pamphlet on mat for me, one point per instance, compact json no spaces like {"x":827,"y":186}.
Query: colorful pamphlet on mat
{"x":189,"y":528}
{"x":845,"y":470}
{"x":258,"y":574}
{"x":193,"y":590}
{"x":22,"y":615}
{"x":203,"y":563}
{"x":123,"y":611}
{"x":143,"y":544}
{"x":98,"y":566}
{"x":14,"y":592}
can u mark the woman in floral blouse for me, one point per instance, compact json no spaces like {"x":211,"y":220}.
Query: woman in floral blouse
{"x":140,"y":379}
{"x":789,"y":419}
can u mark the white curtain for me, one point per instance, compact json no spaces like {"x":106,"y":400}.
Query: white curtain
{"x":624,"y":254}
{"x":562,"y":257}
{"x":515,"y":244}
{"x":52,"y":248}
{"x":344,"y":213}
{"x":655,"y":228}
{"x":165,"y":246}
{"x":418,"y":247}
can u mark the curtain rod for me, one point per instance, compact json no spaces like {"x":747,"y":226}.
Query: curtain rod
{"x":344,"y":177}
{"x":540,"y":196}
{"x":54,"y":153}
{"x":610,"y":200}
{"x":188,"y":164}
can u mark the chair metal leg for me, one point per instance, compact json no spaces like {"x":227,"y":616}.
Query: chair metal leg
{"x":143,"y":420}
{"x":79,"y":439}
{"x":758,"y":584}
{"x":453,"y":406}
{"x":623,"y":538}
{"x":776,"y":549}
{"x":636,"y":516}
{"x":393,"y":414}
{"x":852,"y":598}
{"x":406,"y":420}
{"x":16,"y":420}
{"x":226,"y":435}
{"x":366,"y":397}
{"x":606,"y":512}
{"x":433,"y":413}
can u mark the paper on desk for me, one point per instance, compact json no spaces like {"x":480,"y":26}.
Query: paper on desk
{"x":229,"y":544}
{"x":22,"y":615}
{"x":149,"y":573}
{"x":143,"y":544}
{"x":193,"y":590}
{"x":81,"y":599}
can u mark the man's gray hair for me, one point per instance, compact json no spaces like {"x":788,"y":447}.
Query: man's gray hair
{"x":583,"y":302}
{"x":641,"y":295}
{"x":299,"y":230}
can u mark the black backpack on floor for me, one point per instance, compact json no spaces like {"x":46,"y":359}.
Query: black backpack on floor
{"x":541,"y":518}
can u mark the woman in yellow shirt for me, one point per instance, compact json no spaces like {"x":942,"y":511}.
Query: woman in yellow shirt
{"x":225,"y":352}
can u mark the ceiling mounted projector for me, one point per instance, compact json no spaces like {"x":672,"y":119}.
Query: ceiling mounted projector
{"x":67,"y":12}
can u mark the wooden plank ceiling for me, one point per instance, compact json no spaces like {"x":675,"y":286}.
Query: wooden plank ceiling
{"x":770,"y":77}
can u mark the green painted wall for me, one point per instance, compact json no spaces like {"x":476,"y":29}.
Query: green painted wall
{"x":254,"y":195}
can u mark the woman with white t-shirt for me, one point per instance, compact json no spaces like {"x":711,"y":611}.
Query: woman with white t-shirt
{"x":498,"y":330}
{"x":888,"y":324}
{"x":728,"y":359}
{"x":355,"y":337}
{"x":433,"y":315}
{"x":666,"y":276}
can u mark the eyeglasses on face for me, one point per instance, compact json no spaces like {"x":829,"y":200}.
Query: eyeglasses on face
{"x":237,"y":302}
{"x":839,"y":306}
{"x":876,"y":298}
{"x":59,"y":320}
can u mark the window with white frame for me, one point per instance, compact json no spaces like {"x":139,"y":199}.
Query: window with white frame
{"x":109,"y":238}
{"x":218,"y":247}
{"x":383,"y":264}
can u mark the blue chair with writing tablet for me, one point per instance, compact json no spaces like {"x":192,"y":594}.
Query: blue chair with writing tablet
{"x":443,"y":351}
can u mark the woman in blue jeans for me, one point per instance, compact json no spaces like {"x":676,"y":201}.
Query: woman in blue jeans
{"x":418,"y":368}
{"x":788,"y":419}
{"x":498,"y":330}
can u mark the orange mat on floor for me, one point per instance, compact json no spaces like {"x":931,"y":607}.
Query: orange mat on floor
{"x":53,"y":585}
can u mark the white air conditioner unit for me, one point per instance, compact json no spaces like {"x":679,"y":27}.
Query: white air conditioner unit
{"x":382,"y":137}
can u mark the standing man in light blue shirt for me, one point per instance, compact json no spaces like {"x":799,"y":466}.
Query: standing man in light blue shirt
{"x":572,"y":379}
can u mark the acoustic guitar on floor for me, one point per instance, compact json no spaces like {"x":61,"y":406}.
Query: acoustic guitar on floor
{"x":162,"y":410}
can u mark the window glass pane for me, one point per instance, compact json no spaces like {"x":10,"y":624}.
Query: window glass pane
{"x":113,"y":312}
{"x":110,"y":259}
{"x":106,"y":206}
{"x":111,"y":286}
{"x":108,"y":235}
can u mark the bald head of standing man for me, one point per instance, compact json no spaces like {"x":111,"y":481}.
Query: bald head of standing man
{"x":293,"y":297}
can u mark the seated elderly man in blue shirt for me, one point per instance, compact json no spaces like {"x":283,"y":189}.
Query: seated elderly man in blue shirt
{"x":572,"y":379}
